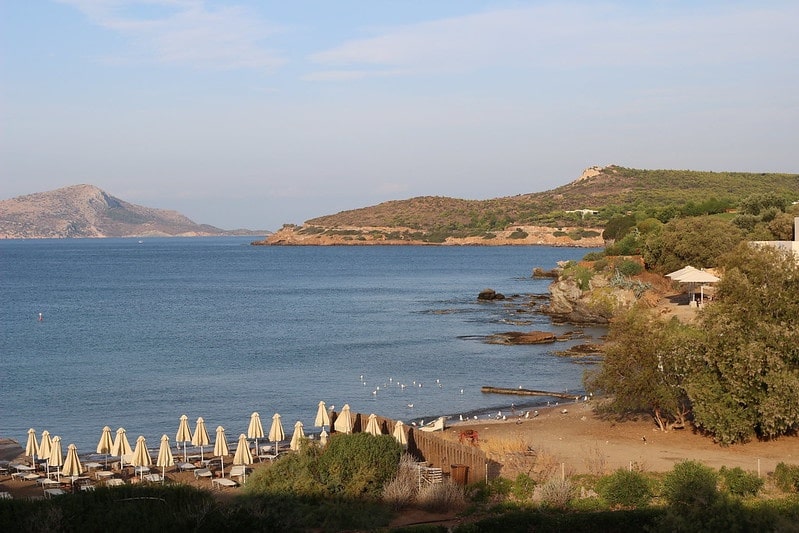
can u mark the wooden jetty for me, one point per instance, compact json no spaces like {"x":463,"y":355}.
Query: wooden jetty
{"x":527,"y":392}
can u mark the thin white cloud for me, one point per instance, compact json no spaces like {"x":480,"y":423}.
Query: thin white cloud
{"x":568,"y":35}
{"x":185,"y":32}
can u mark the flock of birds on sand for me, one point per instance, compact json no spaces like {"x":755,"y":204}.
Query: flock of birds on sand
{"x":391,"y":383}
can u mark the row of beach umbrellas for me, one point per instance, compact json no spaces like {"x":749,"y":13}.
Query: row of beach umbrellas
{"x":139,"y":457}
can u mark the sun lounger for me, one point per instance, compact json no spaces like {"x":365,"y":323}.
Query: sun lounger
{"x":238,"y":471}
{"x":203,"y":472}
{"x":153,"y":478}
{"x":186,"y":466}
{"x":223,"y":482}
{"x":436,"y":425}
{"x":49,"y":493}
{"x":114,"y":482}
{"x":5,"y":496}
{"x":87,"y":488}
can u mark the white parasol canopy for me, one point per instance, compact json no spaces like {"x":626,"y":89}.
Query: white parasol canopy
{"x":121,"y":447}
{"x":45,"y":448}
{"x":105,"y":444}
{"x":297,"y":436}
{"x":141,"y":457}
{"x":220,"y":446}
{"x":276,"y":433}
{"x":243,"y":455}
{"x":255,"y":430}
{"x":56,"y":458}
{"x":72,"y":466}
{"x":165,"y":458}
{"x":372,"y":427}
{"x":32,"y":446}
{"x":399,"y":433}
{"x":184,"y":434}
{"x":322,"y":416}
{"x":343,"y":422}
{"x":200,"y":437}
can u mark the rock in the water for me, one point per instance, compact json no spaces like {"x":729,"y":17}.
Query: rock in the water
{"x":490,"y":294}
{"x":520,"y":337}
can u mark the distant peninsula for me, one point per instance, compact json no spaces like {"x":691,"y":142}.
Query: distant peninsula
{"x":575,"y":214}
{"x":85,"y":211}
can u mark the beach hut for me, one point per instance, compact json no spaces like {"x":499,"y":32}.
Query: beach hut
{"x":165,"y":458}
{"x":184,"y":434}
{"x":297,"y":436}
{"x":372,"y":427}
{"x":200,"y":437}
{"x":343,"y":423}
{"x":121,"y":447}
{"x":276,"y":433}
{"x":255,"y":430}
{"x":220,"y":447}
{"x":141,"y":456}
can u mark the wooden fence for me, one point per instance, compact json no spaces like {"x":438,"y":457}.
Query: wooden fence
{"x":429,"y":446}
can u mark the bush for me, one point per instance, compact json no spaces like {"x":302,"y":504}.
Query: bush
{"x":740,"y":483}
{"x":690,"y":484}
{"x":625,"y":488}
{"x":557,"y":493}
{"x":441,"y":497}
{"x":600,"y":265}
{"x":519,"y":233}
{"x":523,"y":487}
{"x":359,"y":464}
{"x":629,"y":268}
{"x":593,"y":256}
{"x":401,"y":491}
{"x":786,"y":477}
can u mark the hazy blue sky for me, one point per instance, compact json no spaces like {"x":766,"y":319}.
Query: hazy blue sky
{"x":247,"y":113}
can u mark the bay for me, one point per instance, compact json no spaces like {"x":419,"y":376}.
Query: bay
{"x":135,"y":333}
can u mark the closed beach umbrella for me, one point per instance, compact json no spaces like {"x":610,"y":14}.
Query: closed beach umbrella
{"x":32,"y":446}
{"x":255,"y":430}
{"x":184,"y":434}
{"x":343,"y":422}
{"x":220,"y":447}
{"x":105,"y":444}
{"x":72,"y":466}
{"x":121,"y":447}
{"x":45,"y":448}
{"x":56,"y":458}
{"x":165,"y":458}
{"x":243,"y":455}
{"x":200,"y":437}
{"x":323,"y":437}
{"x":322,"y":416}
{"x":399,"y":433}
{"x":276,"y":433}
{"x":298,"y":435}
{"x":372,"y":427}
{"x":141,"y":457}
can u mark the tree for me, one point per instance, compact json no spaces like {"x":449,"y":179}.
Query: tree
{"x":744,"y":374}
{"x":641,"y":369}
{"x":696,"y":241}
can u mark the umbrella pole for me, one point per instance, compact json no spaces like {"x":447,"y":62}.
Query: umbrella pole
{"x":222,"y":460}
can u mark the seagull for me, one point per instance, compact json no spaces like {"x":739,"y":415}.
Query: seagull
{"x":565,"y":411}
{"x":461,"y":391}
{"x":374,"y":393}
{"x":461,"y":418}
{"x":410,"y":406}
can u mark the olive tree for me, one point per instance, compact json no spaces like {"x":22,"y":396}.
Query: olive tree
{"x":696,"y":241}
{"x":744,"y":374}
{"x":642,"y":368}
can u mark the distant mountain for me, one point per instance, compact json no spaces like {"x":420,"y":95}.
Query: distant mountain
{"x":87,"y":211}
{"x":570,"y":213}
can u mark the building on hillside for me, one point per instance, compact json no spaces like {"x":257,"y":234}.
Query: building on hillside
{"x":785,"y":245}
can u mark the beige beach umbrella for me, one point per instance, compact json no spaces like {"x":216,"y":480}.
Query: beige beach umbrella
{"x":220,"y":447}
{"x":121,"y":447}
{"x":255,"y":430}
{"x":399,"y":433}
{"x":45,"y":448}
{"x":32,"y":446}
{"x":165,"y":458}
{"x":243,"y":455}
{"x":105,"y":444}
{"x":200,"y":437}
{"x":323,"y":437}
{"x":141,"y":456}
{"x":56,"y":458}
{"x":343,"y":423}
{"x":184,"y":434}
{"x":297,"y":436}
{"x":373,"y":427}
{"x":322,"y":416}
{"x":276,"y":433}
{"x":72,"y":466}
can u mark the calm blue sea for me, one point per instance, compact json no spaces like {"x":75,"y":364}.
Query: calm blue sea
{"x":135,"y":334}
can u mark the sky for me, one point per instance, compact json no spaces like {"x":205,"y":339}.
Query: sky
{"x":255,"y":113}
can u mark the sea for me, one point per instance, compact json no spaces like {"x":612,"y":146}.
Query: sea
{"x":134,"y":333}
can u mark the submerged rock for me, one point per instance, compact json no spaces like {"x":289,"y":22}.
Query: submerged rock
{"x":490,"y":294}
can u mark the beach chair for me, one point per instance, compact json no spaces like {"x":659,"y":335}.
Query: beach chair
{"x":202,"y":472}
{"x":436,"y":425}
{"x":5,"y":496}
{"x":49,"y":493}
{"x":223,"y":482}
{"x":238,"y":471}
{"x":114,"y":482}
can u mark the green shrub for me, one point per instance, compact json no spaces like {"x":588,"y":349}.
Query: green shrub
{"x":740,"y":483}
{"x":629,"y":268}
{"x":359,"y":464}
{"x":690,"y":484}
{"x":600,"y":265}
{"x":786,"y":477}
{"x":581,"y":275}
{"x":484,"y":492}
{"x":519,"y":233}
{"x":625,"y":488}
{"x":593,"y":256}
{"x":522,"y":488}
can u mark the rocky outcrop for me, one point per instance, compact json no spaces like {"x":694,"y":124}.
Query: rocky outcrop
{"x":597,"y":305}
{"x":519,"y":337}
{"x":490,"y":294}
